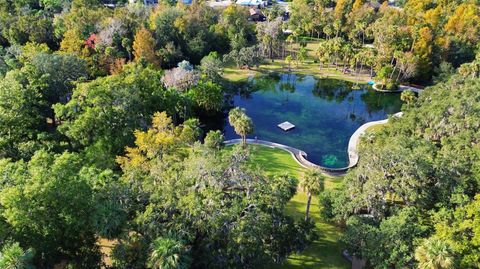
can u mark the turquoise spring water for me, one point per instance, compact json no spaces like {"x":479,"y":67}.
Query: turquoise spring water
{"x":326,"y":113}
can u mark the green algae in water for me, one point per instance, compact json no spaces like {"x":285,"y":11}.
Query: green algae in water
{"x":329,"y":160}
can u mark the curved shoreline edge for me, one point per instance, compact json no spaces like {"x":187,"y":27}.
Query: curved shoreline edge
{"x":401,"y":88}
{"x":300,"y":156}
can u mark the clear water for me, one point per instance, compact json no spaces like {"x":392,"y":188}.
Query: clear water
{"x":325,"y":113}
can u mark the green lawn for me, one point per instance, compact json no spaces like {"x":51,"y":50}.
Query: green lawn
{"x":304,"y":68}
{"x":307,"y":68}
{"x":326,"y":251}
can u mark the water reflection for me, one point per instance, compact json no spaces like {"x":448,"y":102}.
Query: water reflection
{"x":326,"y":112}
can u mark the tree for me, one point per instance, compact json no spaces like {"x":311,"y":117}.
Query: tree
{"x":103,"y":113}
{"x":58,"y":225}
{"x":407,"y":96}
{"x":271,"y":36}
{"x":21,"y":119}
{"x":416,"y":176}
{"x":169,"y":253}
{"x":458,"y":229}
{"x":191,"y":131}
{"x":312,"y":183}
{"x":242,"y":124}
{"x":289,"y":60}
{"x":12,"y":256}
{"x":207,"y":95}
{"x":60,"y":72}
{"x":182,"y":77}
{"x":323,"y":53}
{"x":211,"y":67}
{"x":471,"y":69}
{"x":302,"y":54}
{"x":144,"y":47}
{"x":434,"y":254}
{"x":182,"y":190}
{"x":245,"y":57}
{"x":235,"y":25}
{"x":214,"y":140}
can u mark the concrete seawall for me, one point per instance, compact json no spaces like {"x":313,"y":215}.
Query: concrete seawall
{"x":300,"y":156}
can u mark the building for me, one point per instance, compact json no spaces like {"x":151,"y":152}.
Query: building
{"x":251,"y":3}
{"x":256,"y":15}
{"x":155,"y":2}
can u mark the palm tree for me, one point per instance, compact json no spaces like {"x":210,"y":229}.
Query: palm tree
{"x":169,"y":253}
{"x":328,"y":30}
{"x":407,"y":96}
{"x":242,"y":124}
{"x":289,"y":61}
{"x":12,"y":256}
{"x":335,"y":47}
{"x":434,"y":253}
{"x":312,"y":183}
{"x":347,"y":51}
{"x":302,"y":55}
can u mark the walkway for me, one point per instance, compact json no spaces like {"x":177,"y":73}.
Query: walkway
{"x":300,"y":155}
{"x":355,"y":139}
{"x":401,"y":88}
{"x":297,"y":154}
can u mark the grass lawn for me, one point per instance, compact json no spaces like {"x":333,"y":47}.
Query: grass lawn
{"x":233,"y":73}
{"x":326,"y":251}
{"x":308,"y":67}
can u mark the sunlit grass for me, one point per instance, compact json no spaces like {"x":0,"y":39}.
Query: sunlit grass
{"x":308,"y":67}
{"x":233,"y":73}
{"x":322,"y":253}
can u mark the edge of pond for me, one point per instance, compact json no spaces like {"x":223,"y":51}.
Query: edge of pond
{"x":266,"y":71}
{"x":300,"y":156}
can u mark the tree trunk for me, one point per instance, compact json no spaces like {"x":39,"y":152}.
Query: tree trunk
{"x":398,"y":76}
{"x":393,"y":71}
{"x":307,"y":212}
{"x":271,"y":51}
{"x":361,"y":66}
{"x":336,"y":61}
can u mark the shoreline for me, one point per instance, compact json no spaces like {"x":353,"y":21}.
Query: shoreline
{"x":300,"y":156}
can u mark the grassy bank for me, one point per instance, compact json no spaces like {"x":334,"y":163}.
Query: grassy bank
{"x":279,"y":66}
{"x":307,"y":67}
{"x":322,"y":253}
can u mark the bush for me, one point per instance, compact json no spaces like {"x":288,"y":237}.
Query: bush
{"x":391,"y":86}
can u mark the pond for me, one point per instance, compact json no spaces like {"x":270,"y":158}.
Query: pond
{"x":325,"y":112}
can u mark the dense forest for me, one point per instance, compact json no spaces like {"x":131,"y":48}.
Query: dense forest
{"x":415,"y":192}
{"x":101,"y":135}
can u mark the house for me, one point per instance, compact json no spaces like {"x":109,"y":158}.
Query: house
{"x":146,"y":2}
{"x":251,"y":3}
{"x":155,"y":2}
{"x":256,"y":15}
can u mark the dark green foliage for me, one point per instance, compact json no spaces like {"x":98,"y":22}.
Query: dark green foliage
{"x":225,"y":214}
{"x":106,"y":111}
{"x":56,"y":224}
{"x":426,"y":160}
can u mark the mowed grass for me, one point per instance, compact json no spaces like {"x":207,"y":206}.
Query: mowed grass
{"x":308,"y":67}
{"x":322,"y":253}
